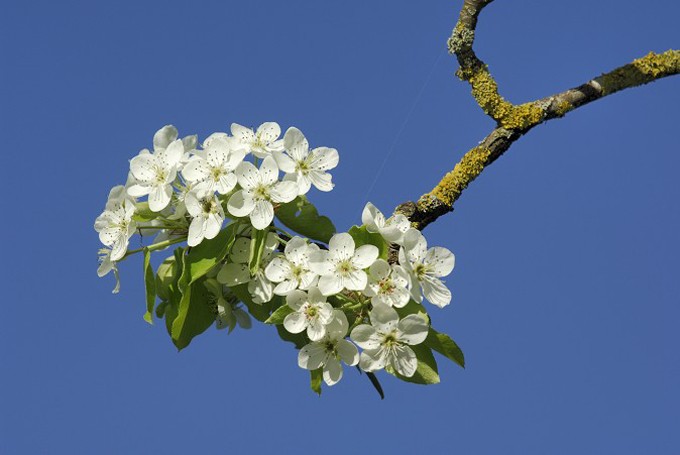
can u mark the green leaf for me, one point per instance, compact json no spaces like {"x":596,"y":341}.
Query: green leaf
{"x":444,"y":345}
{"x":257,"y":243}
{"x":412,"y":308}
{"x":170,"y":309}
{"x":426,"y":373}
{"x":165,"y":276}
{"x":301,"y":216}
{"x":195,"y":314}
{"x":150,"y":286}
{"x":362,"y":237}
{"x":376,"y":384}
{"x":279,"y":315}
{"x":143,"y":213}
{"x":209,"y":253}
{"x":315,"y":380}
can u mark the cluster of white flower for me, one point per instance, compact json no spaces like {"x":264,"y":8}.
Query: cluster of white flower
{"x":338,"y":296}
{"x":180,"y":178}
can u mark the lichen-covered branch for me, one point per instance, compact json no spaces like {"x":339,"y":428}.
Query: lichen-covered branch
{"x":513,"y":121}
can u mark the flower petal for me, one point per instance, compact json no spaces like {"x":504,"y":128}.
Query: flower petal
{"x":243,"y":134}
{"x":436,"y":292}
{"x":283,"y":191}
{"x":321,"y":180}
{"x":372,"y":218}
{"x":295,"y":322}
{"x":373,"y":359}
{"x":404,"y":361}
{"x":269,"y":171}
{"x":341,"y":246}
{"x":312,"y":356}
{"x":278,"y":270}
{"x":413,"y":329}
{"x":384,"y":318}
{"x":330,"y":284}
{"x":332,"y":371}
{"x":355,"y":281}
{"x":324,"y":159}
{"x":262,"y":214}
{"x":320,"y":264}
{"x":196,"y":231}
{"x":159,"y":197}
{"x":364,"y":256}
{"x":240,"y":204}
{"x":163,"y":137}
{"x":269,"y":132}
{"x":233,"y":274}
{"x":365,"y":336}
{"x":295,"y":144}
{"x":296,"y":300}
{"x":247,"y":174}
{"x":441,"y":260}
{"x":348,"y":352}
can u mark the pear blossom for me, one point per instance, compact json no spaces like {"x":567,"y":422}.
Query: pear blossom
{"x":207,"y":216}
{"x":291,"y":271}
{"x":117,"y":195}
{"x":229,"y":311}
{"x":154,"y":172}
{"x":213,"y":168}
{"x":388,"y":284}
{"x":106,"y":265}
{"x":329,"y":350}
{"x":392,"y":229}
{"x":386,"y":341}
{"x":341,"y":267}
{"x":305,"y":167}
{"x":260,"y":189}
{"x":236,"y":271}
{"x":311,"y":312}
{"x":263,"y":142}
{"x":115,"y":227}
{"x":426,"y":267}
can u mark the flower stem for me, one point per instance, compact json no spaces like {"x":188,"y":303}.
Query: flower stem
{"x":156,"y":246}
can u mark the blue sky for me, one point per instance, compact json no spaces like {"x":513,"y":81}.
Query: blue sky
{"x":566,"y":291}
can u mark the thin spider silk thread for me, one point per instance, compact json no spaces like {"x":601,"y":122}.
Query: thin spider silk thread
{"x":403,"y":125}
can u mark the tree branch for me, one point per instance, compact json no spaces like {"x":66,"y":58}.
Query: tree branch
{"x":513,"y":121}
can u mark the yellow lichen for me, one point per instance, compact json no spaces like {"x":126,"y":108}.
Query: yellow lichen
{"x":641,"y":71}
{"x":453,"y":183}
{"x":563,"y":107}
{"x":509,"y":116}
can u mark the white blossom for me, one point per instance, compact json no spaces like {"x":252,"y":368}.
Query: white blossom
{"x":115,"y":227}
{"x":261,"y":143}
{"x":260,"y":189}
{"x":311,"y":313}
{"x":207,"y":216}
{"x":106,"y":265}
{"x":213,"y":168}
{"x":388,"y":284}
{"x":236,"y":270}
{"x":386,"y":341}
{"x":305,"y":167}
{"x":329,"y":350}
{"x":426,"y":267}
{"x":154,"y":172}
{"x":341,"y":267}
{"x":392,"y":229}
{"x":117,"y":195}
{"x":229,"y":311}
{"x":291,"y":271}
